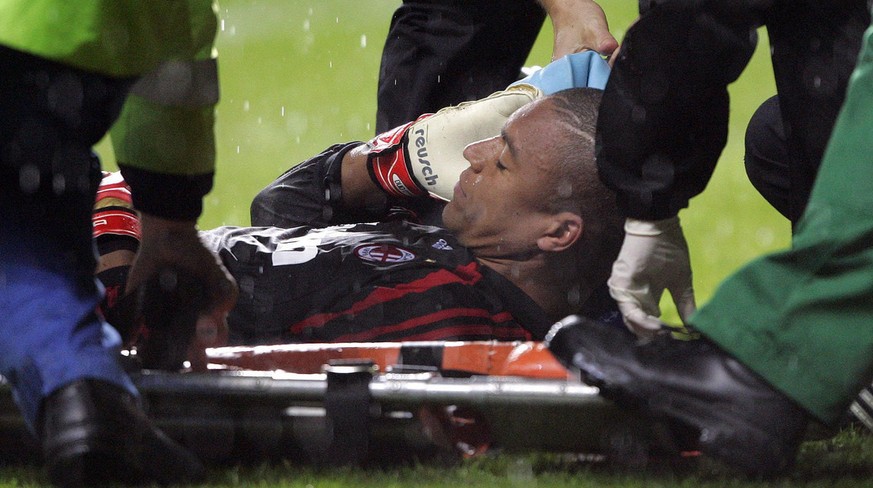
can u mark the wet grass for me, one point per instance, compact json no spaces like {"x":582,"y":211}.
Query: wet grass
{"x":843,"y":461}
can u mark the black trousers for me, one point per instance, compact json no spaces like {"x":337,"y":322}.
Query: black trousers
{"x":50,"y":117}
{"x":441,"y":53}
{"x":768,"y":163}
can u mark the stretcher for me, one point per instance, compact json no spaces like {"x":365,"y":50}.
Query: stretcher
{"x":366,"y":403}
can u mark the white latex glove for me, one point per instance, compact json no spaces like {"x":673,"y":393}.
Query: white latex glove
{"x":653,"y":258}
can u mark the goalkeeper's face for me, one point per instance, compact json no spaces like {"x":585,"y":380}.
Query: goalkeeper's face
{"x":499,"y":207}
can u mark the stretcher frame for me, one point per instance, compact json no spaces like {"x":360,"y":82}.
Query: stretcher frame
{"x":368,"y":403}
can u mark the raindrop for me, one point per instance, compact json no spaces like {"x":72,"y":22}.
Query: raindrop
{"x":283,"y":111}
{"x":222,"y":25}
{"x":59,"y":184}
{"x":330,"y":64}
{"x":168,"y":280}
{"x":638,"y":114}
{"x":765,"y":236}
{"x":363,"y":40}
{"x":564,"y":189}
{"x":237,"y":149}
{"x":28,"y":178}
{"x":658,"y":171}
{"x":574,"y":296}
{"x":337,"y":20}
{"x":725,"y":229}
{"x":521,"y":473}
{"x":246,"y":106}
{"x":306,"y":25}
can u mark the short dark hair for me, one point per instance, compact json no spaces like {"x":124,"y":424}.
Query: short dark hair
{"x":578,"y":187}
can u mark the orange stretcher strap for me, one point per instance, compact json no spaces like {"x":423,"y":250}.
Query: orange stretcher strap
{"x":523,"y":359}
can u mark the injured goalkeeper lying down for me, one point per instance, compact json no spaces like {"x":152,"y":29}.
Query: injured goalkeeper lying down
{"x":352,"y":245}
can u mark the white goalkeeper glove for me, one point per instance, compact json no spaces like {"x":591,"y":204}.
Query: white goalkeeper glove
{"x":427,"y":156}
{"x":653,"y":257}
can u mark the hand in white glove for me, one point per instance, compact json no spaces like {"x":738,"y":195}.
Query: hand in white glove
{"x":427,"y":156}
{"x":654,"y":257}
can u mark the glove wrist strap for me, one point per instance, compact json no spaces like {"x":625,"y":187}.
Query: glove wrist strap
{"x":387,"y":163}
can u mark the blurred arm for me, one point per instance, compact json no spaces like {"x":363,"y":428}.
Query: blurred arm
{"x":579,"y":25}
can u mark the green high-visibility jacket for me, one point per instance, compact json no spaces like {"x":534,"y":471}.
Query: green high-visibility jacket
{"x":113,"y":37}
{"x":167,"y":124}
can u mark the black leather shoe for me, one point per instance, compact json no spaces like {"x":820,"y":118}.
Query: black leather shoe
{"x":94,"y":433}
{"x":740,"y":419}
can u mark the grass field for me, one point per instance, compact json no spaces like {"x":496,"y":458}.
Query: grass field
{"x":298,"y":76}
{"x":845,"y":461}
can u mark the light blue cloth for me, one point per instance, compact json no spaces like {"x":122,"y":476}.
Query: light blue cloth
{"x":578,"y":70}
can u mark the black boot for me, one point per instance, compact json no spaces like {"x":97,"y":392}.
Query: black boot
{"x":740,"y":418}
{"x":94,"y":433}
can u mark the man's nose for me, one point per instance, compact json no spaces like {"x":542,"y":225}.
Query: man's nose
{"x":477,"y":153}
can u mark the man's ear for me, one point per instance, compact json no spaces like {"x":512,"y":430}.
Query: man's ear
{"x":564,"y":229}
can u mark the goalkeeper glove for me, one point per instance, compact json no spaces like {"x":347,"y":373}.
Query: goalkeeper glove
{"x":425,"y":157}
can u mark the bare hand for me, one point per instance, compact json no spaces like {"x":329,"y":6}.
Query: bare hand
{"x":184,"y":286}
{"x":579,"y":25}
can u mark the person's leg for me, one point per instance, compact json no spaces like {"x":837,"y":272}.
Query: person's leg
{"x":814,"y":49}
{"x":440,"y":53}
{"x":806,"y":312}
{"x":767,"y":158}
{"x":49,"y":333}
{"x":60,"y":357}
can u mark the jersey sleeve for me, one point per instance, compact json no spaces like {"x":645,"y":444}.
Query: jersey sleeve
{"x":307,"y":194}
{"x":663,"y":119}
{"x":310,"y":194}
{"x":164,"y":138}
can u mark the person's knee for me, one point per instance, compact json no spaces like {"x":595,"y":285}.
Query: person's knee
{"x":767,"y":159}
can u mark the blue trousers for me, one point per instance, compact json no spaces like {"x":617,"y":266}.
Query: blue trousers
{"x":50,"y":117}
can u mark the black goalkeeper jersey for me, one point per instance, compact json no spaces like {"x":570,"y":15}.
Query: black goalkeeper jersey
{"x":385,"y":281}
{"x":311,"y":272}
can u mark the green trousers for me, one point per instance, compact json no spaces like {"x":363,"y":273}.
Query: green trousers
{"x":803,"y":318}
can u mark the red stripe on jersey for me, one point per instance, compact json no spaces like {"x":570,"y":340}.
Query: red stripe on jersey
{"x":457,"y":330}
{"x":467,"y":274}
